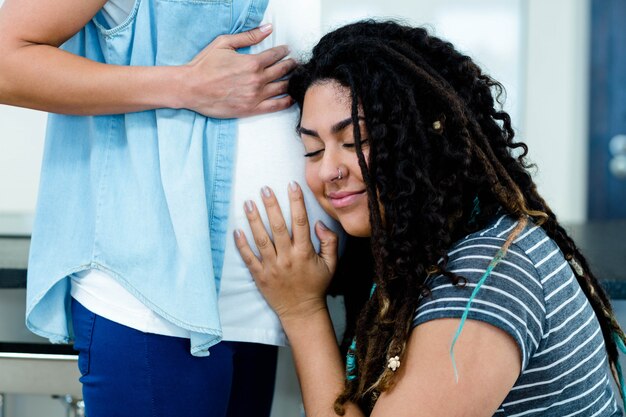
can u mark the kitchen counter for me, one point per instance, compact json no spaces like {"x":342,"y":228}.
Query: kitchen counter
{"x":604,"y":246}
{"x":603,"y":243}
{"x":13,"y":261}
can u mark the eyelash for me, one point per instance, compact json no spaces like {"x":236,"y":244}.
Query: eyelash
{"x":345,"y":145}
{"x":312,"y":154}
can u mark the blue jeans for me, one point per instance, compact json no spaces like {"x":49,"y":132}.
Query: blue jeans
{"x":128,"y":373}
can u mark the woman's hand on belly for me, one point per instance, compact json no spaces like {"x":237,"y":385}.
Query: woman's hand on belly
{"x":223,"y":83}
{"x":292,"y":277}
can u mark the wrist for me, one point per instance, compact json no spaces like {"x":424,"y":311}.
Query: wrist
{"x":304,"y":313}
{"x":177,"y":89}
{"x":158,"y":87}
{"x":195,"y":91}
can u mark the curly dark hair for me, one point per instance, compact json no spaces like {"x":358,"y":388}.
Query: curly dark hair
{"x":437,"y":141}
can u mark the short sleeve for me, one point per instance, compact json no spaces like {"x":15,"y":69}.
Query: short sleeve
{"x":511,"y":298}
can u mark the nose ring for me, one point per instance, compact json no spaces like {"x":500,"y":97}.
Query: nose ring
{"x":339,"y":174}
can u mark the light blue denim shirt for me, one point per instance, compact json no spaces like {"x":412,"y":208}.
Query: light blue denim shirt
{"x":142,"y":196}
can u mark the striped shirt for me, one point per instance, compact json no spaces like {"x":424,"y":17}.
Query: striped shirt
{"x":533,"y":295}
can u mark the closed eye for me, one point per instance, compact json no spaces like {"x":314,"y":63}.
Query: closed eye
{"x":313,"y":153}
{"x":351,"y":145}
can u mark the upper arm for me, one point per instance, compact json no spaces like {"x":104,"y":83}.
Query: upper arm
{"x":488,"y":363}
{"x":504,"y":326}
{"x":27,"y":22}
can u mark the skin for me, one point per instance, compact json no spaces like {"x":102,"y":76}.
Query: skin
{"x":293,"y":278}
{"x":218,"y":82}
{"x":329,"y":145}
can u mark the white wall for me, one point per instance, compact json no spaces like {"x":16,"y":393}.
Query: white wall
{"x":556,"y":86}
{"x":21,"y":148}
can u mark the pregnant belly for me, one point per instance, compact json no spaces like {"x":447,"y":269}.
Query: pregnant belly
{"x":268,"y":153}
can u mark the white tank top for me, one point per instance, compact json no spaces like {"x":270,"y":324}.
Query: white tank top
{"x":268,"y":153}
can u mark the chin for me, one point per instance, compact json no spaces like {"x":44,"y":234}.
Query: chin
{"x":357,"y":228}
{"x":361,"y":233}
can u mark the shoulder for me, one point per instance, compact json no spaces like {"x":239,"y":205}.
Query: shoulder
{"x":533,"y":256}
{"x":482,"y":246}
{"x":471,"y":256}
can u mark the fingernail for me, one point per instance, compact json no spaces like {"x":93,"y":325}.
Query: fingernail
{"x":237,"y":233}
{"x":322,"y":225}
{"x":293,"y":186}
{"x":266,"y":191}
{"x":266,"y":28}
{"x":249,"y":206}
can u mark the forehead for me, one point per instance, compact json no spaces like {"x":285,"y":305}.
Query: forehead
{"x":325,"y":103}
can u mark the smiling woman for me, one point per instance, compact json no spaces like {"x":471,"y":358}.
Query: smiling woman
{"x":481,"y":304}
{"x":332,"y":167}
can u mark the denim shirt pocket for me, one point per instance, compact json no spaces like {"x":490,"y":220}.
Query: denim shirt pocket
{"x":186,"y":27}
{"x":100,"y":22}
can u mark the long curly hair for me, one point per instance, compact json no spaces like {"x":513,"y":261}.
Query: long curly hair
{"x":438,"y":140}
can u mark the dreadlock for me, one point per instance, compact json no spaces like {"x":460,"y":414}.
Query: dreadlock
{"x":437,"y":142}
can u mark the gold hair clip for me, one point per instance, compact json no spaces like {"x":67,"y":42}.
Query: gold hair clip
{"x":438,"y":124}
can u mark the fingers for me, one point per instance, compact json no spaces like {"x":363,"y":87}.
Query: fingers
{"x":261,"y":238}
{"x":249,"y":258}
{"x":272,"y":105}
{"x":299,"y":218}
{"x":280,"y":232}
{"x":274,"y":89}
{"x":328,"y":244}
{"x":271,"y":56}
{"x":243,"y":39}
{"x":279,"y":70}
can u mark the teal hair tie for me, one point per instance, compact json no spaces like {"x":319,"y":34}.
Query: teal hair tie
{"x":351,"y":371}
{"x":482,"y":280}
{"x":620,"y":376}
{"x":351,"y":362}
{"x":475,"y":211}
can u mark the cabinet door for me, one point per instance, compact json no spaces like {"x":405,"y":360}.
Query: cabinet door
{"x":607,"y":122}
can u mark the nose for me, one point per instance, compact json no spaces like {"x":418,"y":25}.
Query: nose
{"x":331,"y":169}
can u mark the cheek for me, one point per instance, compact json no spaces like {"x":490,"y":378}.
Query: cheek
{"x":311,"y":177}
{"x":313,"y":181}
{"x":355,"y":170}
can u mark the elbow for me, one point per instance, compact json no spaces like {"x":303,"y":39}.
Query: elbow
{"x":6,"y":77}
{"x":3,"y":81}
{"x":5,"y":93}
{"x":12,"y":73}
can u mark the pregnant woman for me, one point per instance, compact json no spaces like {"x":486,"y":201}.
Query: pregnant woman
{"x":162,"y":113}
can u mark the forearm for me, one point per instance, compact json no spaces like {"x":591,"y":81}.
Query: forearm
{"x":46,"y":78}
{"x":318,"y":364}
{"x":217,"y":82}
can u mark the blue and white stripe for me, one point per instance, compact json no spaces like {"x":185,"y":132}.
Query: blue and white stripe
{"x":534,"y":296}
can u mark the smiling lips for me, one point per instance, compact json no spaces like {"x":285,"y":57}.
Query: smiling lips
{"x":344,"y":198}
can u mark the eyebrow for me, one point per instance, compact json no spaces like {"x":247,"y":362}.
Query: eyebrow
{"x":336,"y":128}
